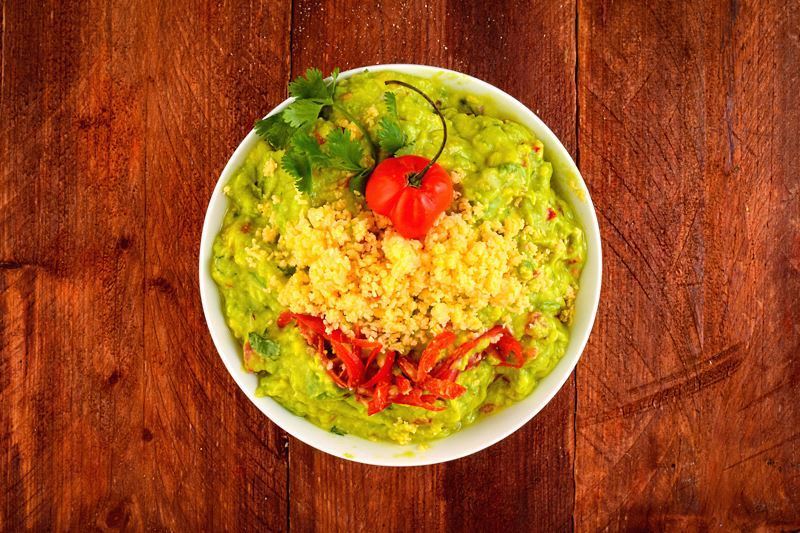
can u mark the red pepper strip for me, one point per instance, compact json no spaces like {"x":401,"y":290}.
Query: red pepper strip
{"x":403,"y":385}
{"x":380,"y":398}
{"x":430,"y":398}
{"x":444,"y":389}
{"x":331,"y":371}
{"x":415,"y":398}
{"x":408,"y":368}
{"x":444,"y":370}
{"x":364,"y":343}
{"x":312,"y":326}
{"x":354,"y":366}
{"x":431,"y":352}
{"x":508,"y":345}
{"x":384,"y":373}
{"x":372,"y":355}
{"x":312,"y":323}
{"x":284,"y":319}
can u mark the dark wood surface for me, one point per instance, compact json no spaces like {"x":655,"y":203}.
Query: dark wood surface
{"x":115,"y":121}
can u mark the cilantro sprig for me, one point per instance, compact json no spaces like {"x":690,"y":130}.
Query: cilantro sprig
{"x":340,"y":152}
{"x":290,"y":129}
{"x":311,"y":94}
{"x":390,"y":136}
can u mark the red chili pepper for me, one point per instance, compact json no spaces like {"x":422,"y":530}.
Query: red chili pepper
{"x":431,"y":353}
{"x":313,"y":328}
{"x":343,"y":357}
{"x":403,"y":385}
{"x":444,"y":370}
{"x":413,"y":201}
{"x":384,"y":373}
{"x":354,"y":366}
{"x":380,"y":399}
{"x":551,"y":214}
{"x":416,"y":398}
{"x":443,"y":389}
{"x":508,"y":346}
{"x":411,"y":190}
{"x":408,"y":368}
{"x":372,"y":355}
{"x":284,"y":319}
{"x":504,"y":346}
{"x":364,"y":343}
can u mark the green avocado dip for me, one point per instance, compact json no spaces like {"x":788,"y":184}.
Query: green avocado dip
{"x":324,"y":292}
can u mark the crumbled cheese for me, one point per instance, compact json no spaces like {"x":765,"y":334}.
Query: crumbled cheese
{"x":269,"y":167}
{"x":354,"y":270}
{"x":355,"y":133}
{"x":370,"y":115}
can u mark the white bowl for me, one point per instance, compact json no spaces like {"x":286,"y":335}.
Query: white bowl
{"x":567,"y":180}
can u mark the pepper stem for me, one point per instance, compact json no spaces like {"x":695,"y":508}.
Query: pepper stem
{"x":416,"y":179}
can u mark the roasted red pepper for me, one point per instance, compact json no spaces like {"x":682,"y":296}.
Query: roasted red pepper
{"x":384,"y":373}
{"x":444,"y":389}
{"x":431,"y":353}
{"x":344,"y":367}
{"x":416,"y":398}
{"x":380,"y":399}
{"x":418,"y":385}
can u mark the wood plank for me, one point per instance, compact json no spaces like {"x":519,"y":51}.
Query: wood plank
{"x":524,"y":483}
{"x":117,"y":120}
{"x":71,"y":285}
{"x":687,"y":404}
{"x":216,"y":462}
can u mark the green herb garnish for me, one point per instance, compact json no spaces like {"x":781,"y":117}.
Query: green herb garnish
{"x":390,"y":136}
{"x":338,"y":431}
{"x":275,"y":131}
{"x":264,"y":347}
{"x":289,"y":130}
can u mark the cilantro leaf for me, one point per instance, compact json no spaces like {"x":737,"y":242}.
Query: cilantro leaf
{"x":303,"y":142}
{"x":390,"y":137}
{"x":345,"y":152}
{"x":338,"y":431}
{"x":274,"y":130}
{"x":297,"y":165}
{"x":264,"y":347}
{"x":310,"y":86}
{"x":391,"y":102}
{"x":303,"y":113}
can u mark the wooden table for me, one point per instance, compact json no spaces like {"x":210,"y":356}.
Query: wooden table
{"x":116,"y":120}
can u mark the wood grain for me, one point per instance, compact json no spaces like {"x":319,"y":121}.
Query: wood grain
{"x":687,"y":410}
{"x":115,"y":121}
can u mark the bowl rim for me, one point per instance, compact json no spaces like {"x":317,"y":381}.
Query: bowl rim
{"x":309,"y":433}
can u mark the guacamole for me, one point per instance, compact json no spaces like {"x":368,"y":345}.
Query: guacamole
{"x":508,"y":252}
